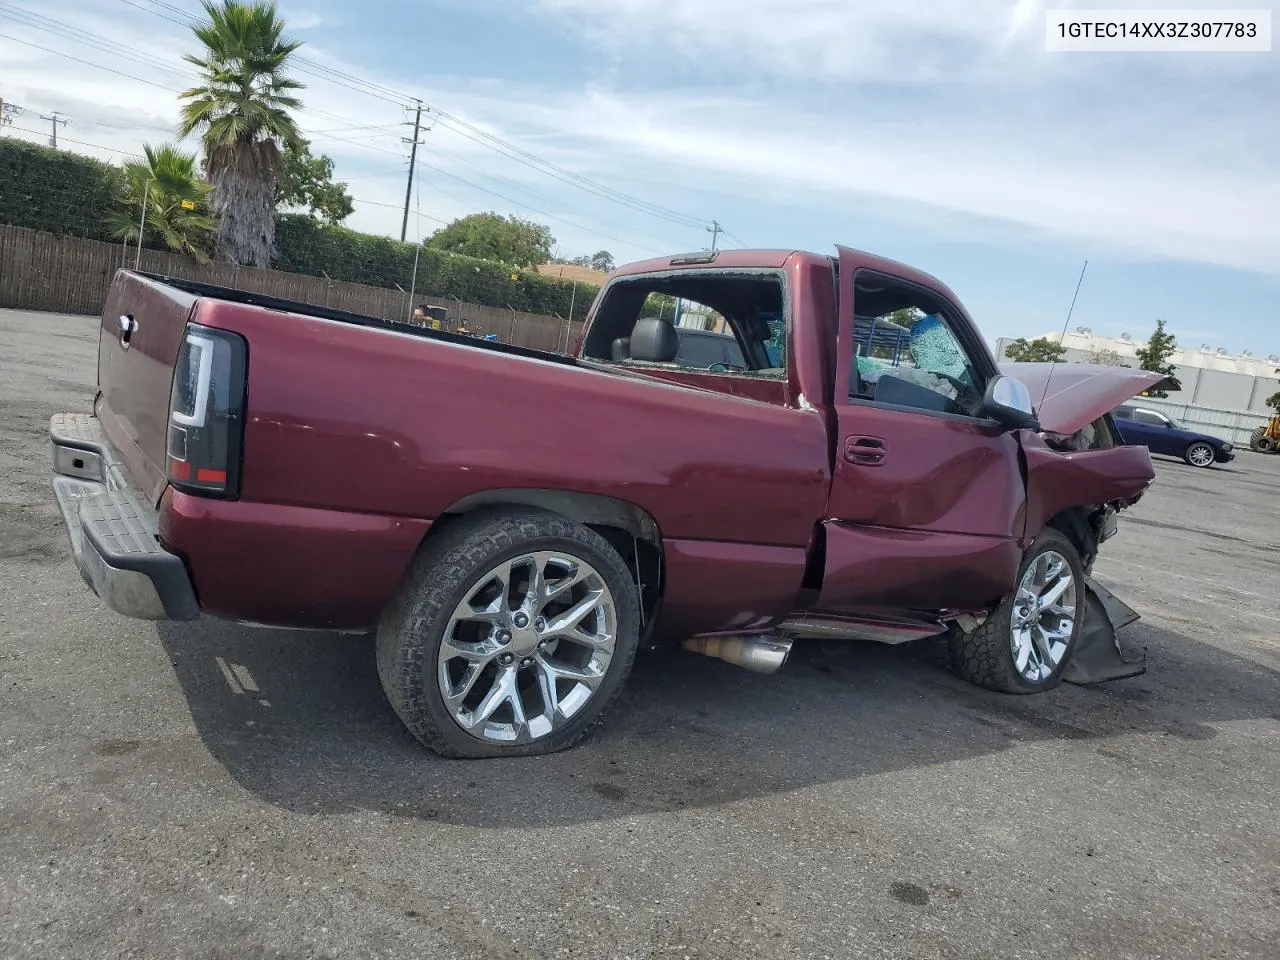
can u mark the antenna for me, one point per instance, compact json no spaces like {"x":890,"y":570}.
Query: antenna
{"x":1070,"y":310}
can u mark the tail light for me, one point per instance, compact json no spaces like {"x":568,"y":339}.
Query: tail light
{"x":206,"y":413}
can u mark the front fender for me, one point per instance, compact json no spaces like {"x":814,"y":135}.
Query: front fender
{"x":1057,"y":481}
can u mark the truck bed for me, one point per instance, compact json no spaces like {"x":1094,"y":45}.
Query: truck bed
{"x":231,"y":295}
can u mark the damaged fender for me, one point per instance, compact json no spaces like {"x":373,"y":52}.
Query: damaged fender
{"x":1098,"y":656}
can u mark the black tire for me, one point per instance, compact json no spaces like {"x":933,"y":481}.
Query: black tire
{"x":1257,"y":439}
{"x":1197,"y":448}
{"x":1266,"y":445}
{"x":412,"y":628}
{"x":985,"y":657}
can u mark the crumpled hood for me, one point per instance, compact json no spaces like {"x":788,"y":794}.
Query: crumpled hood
{"x":1079,"y":393}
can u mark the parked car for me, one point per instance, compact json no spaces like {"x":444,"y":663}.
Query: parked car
{"x":514,"y":525}
{"x":1148,"y":427}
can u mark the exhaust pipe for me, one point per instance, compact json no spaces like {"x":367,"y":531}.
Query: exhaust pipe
{"x":758,"y":654}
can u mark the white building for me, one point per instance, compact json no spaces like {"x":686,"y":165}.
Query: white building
{"x":1222,"y":394}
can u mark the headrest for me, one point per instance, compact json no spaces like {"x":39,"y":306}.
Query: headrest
{"x":654,"y":340}
{"x":620,"y":349}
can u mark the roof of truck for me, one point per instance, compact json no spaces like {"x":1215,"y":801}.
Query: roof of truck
{"x":776,"y":259}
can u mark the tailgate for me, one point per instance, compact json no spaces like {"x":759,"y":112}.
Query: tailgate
{"x":138,"y":344}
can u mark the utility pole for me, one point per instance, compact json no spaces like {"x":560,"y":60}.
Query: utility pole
{"x":715,"y":230}
{"x":7,"y":112}
{"x":55,"y":119}
{"x":413,"y":162}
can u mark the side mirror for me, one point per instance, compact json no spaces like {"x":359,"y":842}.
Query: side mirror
{"x":1008,"y":401}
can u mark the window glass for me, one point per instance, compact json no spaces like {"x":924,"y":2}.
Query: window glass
{"x":1149,"y":417}
{"x":730,"y":323}
{"x":910,"y":356}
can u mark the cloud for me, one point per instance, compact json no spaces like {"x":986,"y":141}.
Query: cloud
{"x":824,"y":114}
{"x":826,"y":41}
{"x":300,"y":19}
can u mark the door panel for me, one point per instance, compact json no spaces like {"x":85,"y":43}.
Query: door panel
{"x":926,"y":509}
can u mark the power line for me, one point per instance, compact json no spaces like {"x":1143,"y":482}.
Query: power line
{"x":88,"y":63}
{"x":563,"y":174}
{"x":544,"y":213}
{"x":82,"y":143}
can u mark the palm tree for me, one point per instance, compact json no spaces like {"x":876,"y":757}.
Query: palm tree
{"x":174,"y":193}
{"x":242,"y":114}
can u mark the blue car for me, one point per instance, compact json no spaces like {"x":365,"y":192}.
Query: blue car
{"x":1145,"y":427}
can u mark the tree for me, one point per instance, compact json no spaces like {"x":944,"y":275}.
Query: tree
{"x":906,"y":317}
{"x":1106,"y":357}
{"x":601,"y":260}
{"x":175,"y":202}
{"x":1039,"y":350}
{"x":489,"y":236}
{"x":1155,"y":356}
{"x":306,"y":182}
{"x":241,"y":111}
{"x":1273,"y":401}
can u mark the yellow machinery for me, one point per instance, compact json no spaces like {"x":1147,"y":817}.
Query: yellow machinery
{"x":1266,"y":439}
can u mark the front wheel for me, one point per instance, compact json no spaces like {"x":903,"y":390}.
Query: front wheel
{"x":1257,"y":438}
{"x":1025,"y":643}
{"x":1200,"y":454}
{"x":513,"y":633}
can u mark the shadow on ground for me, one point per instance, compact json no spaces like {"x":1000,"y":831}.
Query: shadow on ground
{"x":300,"y":720}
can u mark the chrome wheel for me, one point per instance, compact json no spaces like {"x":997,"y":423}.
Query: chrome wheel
{"x":1044,"y":616}
{"x":1200,"y":455}
{"x":527,"y":647}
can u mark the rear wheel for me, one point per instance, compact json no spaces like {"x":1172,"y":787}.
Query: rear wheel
{"x":514,"y":632}
{"x":1266,"y":445}
{"x":1256,"y":440}
{"x":1200,"y":454}
{"x":1025,"y":643}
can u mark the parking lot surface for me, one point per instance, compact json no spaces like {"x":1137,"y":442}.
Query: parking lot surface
{"x":207,"y":790}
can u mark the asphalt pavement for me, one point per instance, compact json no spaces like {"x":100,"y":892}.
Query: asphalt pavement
{"x":214,"y":791}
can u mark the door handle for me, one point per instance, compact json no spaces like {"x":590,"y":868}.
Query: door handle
{"x":865,"y":451}
{"x":127,"y":325}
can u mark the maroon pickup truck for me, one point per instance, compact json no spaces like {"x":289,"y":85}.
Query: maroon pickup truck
{"x":516,"y":524}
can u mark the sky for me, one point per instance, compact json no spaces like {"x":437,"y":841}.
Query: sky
{"x":935,"y":132}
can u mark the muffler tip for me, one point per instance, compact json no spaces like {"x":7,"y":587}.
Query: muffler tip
{"x":764,"y":654}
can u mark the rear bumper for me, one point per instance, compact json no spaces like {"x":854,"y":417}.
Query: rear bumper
{"x":112,"y":528}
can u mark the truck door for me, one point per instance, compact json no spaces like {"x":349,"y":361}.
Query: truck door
{"x":927,"y":497}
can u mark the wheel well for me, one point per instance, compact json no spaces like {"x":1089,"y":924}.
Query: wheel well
{"x":1076,"y":524}
{"x":629,"y":529}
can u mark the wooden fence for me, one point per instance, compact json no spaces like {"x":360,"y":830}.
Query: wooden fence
{"x":45,"y":271}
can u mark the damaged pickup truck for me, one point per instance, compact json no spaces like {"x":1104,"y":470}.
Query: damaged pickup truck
{"x":515,"y":525}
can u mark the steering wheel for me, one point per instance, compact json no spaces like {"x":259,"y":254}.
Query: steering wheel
{"x":726,"y":368}
{"x":966,"y":396}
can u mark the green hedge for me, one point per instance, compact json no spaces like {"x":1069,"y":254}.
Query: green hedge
{"x":305,"y":245}
{"x":65,"y":193}
{"x":56,"y":191}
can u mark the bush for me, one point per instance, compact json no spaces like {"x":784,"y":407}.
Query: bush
{"x":305,"y":245}
{"x":56,"y":191}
